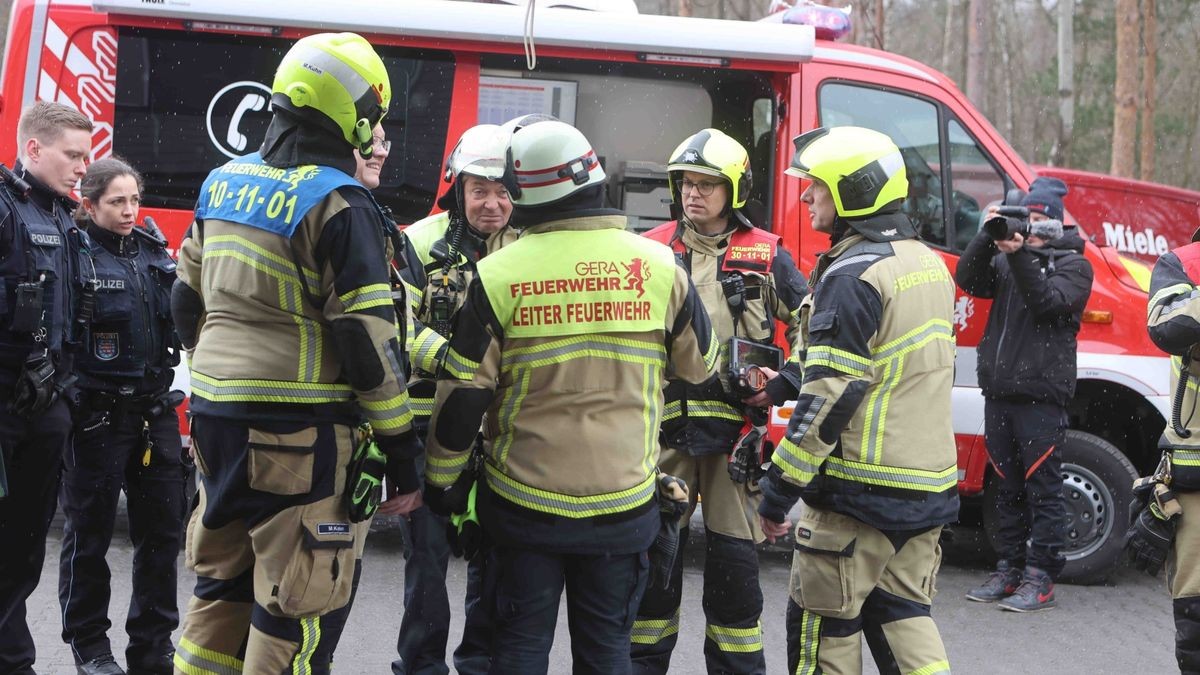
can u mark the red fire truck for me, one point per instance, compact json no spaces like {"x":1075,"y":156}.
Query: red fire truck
{"x":179,"y":86}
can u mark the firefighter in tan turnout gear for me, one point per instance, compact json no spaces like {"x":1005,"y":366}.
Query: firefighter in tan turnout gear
{"x":747,"y":282}
{"x":1165,"y":526}
{"x":869,"y":447}
{"x":564,"y":341}
{"x":284,"y":300}
{"x":442,"y":251}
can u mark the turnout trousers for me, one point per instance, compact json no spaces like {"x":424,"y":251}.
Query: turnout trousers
{"x":732,"y":596}
{"x":425,"y":627}
{"x":1183,"y":579}
{"x":33,"y":452}
{"x":524,"y":587}
{"x":272,"y":546}
{"x":103,"y":459}
{"x":851,"y":580}
{"x":1021,"y":440}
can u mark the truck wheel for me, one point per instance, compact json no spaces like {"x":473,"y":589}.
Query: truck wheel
{"x":1097,"y":487}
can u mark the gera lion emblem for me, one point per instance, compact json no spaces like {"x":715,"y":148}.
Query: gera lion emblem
{"x":300,"y":174}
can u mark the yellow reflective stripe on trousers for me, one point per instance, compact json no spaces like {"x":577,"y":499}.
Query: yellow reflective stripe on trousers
{"x":891,"y":355}
{"x":460,"y":366}
{"x":365,"y":297}
{"x":654,"y":631}
{"x":570,"y":506}
{"x":310,"y":637}
{"x":892,"y":476}
{"x":935,"y":668}
{"x":269,"y":391}
{"x":737,"y":640}
{"x":425,"y":349}
{"x":193,"y":659}
{"x":389,"y":414}
{"x":600,"y":346}
{"x":837,"y":359}
{"x":443,"y":471}
{"x":810,"y":644}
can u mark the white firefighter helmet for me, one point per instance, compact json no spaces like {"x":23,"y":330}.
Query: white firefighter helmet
{"x":548,"y":162}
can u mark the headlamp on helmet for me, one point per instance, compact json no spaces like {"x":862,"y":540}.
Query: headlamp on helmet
{"x":862,"y":168}
{"x":712,"y":152}
{"x":338,"y":81}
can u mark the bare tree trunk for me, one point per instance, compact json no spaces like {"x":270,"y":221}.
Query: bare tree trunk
{"x":1149,"y":94}
{"x":1125,"y":92}
{"x":1066,"y":82}
{"x":1006,"y":73}
{"x":977,"y":50}
{"x":948,"y":35}
{"x":683,"y":7}
{"x":879,"y":19}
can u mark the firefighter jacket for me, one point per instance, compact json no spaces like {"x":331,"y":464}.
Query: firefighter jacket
{"x":747,"y":281}
{"x":130,"y":344}
{"x":440,"y":267}
{"x":1027,"y":353}
{"x":1173,"y":321}
{"x":871,"y":434}
{"x":564,"y":341}
{"x":298,"y":321}
{"x":43,"y":247}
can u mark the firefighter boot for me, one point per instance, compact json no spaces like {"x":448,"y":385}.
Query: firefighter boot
{"x":999,"y":585}
{"x":1035,"y":593}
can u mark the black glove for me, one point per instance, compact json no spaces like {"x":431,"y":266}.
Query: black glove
{"x":463,"y":530}
{"x":35,"y":391}
{"x":673,"y":502}
{"x":401,"y":453}
{"x":447,"y":500}
{"x":1153,"y":514}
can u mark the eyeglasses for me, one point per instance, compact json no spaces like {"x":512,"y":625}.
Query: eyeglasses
{"x":381,"y":145}
{"x":704,"y":187}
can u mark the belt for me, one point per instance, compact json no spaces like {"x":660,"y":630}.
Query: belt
{"x":103,"y":401}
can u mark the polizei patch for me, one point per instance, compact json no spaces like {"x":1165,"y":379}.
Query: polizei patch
{"x":45,"y":239}
{"x":106,"y":346}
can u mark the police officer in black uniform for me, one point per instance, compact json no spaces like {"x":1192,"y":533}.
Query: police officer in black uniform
{"x":126,"y":436}
{"x":44,"y":270}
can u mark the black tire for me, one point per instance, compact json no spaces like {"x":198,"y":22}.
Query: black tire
{"x":1097,"y":486}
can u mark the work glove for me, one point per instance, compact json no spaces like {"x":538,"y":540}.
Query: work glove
{"x":401,"y":453}
{"x":445,"y":501}
{"x":672,"y":504}
{"x":364,"y":477}
{"x":1152,"y":527}
{"x":35,"y":391}
{"x":463,"y":530}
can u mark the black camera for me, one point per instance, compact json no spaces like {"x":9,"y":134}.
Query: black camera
{"x":1011,"y":218}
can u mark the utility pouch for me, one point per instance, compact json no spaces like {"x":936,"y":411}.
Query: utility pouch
{"x":27,"y":315}
{"x":673,"y":502}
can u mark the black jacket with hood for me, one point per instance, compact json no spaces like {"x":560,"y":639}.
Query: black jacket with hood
{"x":1027,"y":353}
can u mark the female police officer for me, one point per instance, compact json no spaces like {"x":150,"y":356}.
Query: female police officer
{"x":126,"y":436}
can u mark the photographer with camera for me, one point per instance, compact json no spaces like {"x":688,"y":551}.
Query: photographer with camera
{"x":1035,"y":272}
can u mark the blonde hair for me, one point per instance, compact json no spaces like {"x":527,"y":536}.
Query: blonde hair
{"x":46,"y":122}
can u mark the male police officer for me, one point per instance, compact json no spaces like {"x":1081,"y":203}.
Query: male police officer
{"x":564,"y":341}
{"x":1166,"y":526}
{"x":46,"y":268}
{"x":869,"y":446}
{"x":747,"y":281}
{"x":442,"y":251}
{"x":284,"y":295}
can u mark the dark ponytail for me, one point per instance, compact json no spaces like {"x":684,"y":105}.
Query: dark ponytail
{"x":100,"y":175}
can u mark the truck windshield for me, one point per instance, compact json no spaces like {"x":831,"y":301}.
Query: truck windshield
{"x":188,"y":102}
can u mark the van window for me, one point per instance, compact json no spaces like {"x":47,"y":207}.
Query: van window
{"x":974,"y":181}
{"x":188,"y":102}
{"x":913,"y":124}
{"x":636,"y":114}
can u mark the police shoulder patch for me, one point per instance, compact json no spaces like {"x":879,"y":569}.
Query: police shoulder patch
{"x":106,"y":346}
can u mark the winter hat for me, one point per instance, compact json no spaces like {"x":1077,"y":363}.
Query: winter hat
{"x":1045,"y":196}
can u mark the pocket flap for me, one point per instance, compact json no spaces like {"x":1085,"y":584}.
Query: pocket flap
{"x":299,"y":441}
{"x":824,"y":541}
{"x":826,"y":320}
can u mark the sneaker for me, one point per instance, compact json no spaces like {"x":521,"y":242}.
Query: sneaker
{"x":104,"y":664}
{"x":999,"y":585}
{"x":1035,"y":593}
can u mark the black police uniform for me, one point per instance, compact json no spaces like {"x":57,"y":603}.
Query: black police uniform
{"x":126,"y":436}
{"x":44,"y":267}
